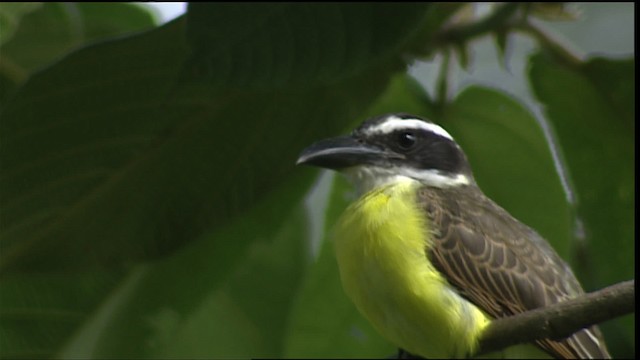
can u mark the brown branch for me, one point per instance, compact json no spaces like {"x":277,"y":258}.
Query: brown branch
{"x":508,"y":17}
{"x":459,"y":34}
{"x":550,"y":42}
{"x":560,"y":320}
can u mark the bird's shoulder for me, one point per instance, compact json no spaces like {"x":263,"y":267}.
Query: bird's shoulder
{"x":500,"y":264}
{"x":490,"y":255}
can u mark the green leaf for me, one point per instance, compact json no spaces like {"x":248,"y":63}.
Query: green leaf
{"x":158,"y":133}
{"x":226,"y":295}
{"x":404,"y":94}
{"x":135,"y":161}
{"x":70,"y":137}
{"x":592,"y":111}
{"x":40,"y":311}
{"x":614,"y":81}
{"x":53,"y":29}
{"x":109,"y":158}
{"x":439,"y":13}
{"x":272,"y":45}
{"x":102,"y":20}
{"x":511,"y":161}
{"x":10,"y":16}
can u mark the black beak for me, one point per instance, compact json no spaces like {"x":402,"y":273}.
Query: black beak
{"x":339,"y":153}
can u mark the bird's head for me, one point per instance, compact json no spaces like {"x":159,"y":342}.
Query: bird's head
{"x":391,"y":148}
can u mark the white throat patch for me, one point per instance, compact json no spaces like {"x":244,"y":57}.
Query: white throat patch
{"x":367,"y":178}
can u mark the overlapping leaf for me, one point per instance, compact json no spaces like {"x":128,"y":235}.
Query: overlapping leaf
{"x":592,"y":111}
{"x":117,"y":154}
{"x":239,"y":45}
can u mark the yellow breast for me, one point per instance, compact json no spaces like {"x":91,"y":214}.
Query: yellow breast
{"x":381,"y":243}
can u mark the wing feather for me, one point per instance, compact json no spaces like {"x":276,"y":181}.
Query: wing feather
{"x":500,"y":264}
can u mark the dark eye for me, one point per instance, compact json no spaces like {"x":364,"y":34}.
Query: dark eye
{"x":406,"y":140}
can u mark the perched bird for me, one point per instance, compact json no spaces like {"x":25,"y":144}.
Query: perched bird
{"x":425,"y":256}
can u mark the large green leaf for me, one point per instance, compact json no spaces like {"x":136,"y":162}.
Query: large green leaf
{"x":226,"y":295}
{"x":73,"y":134}
{"x":39,"y":312}
{"x":37,"y":34}
{"x":52,"y":29}
{"x":112,"y":156}
{"x":512,"y":161}
{"x":404,"y":94}
{"x":181,"y":306}
{"x":10,"y":16}
{"x":130,"y":163}
{"x":270,"y":45}
{"x":592,"y":111}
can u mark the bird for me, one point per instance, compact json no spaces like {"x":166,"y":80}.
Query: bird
{"x":426,"y":257}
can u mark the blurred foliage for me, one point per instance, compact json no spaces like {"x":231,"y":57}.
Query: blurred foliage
{"x":149,"y":203}
{"x":33,"y":35}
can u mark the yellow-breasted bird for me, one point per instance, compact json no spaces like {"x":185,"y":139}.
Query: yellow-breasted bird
{"x":425,"y":256}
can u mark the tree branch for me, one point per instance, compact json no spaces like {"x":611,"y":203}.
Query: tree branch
{"x":560,"y":320}
{"x":550,"y":42}
{"x":460,"y":34}
{"x":507,"y":17}
{"x":555,"y":321}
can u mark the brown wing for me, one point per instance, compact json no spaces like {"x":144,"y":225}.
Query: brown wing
{"x":500,"y":264}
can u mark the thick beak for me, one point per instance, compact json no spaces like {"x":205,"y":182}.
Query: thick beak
{"x":339,"y":153}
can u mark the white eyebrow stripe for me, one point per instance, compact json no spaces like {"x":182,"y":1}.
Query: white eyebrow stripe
{"x":394,"y":123}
